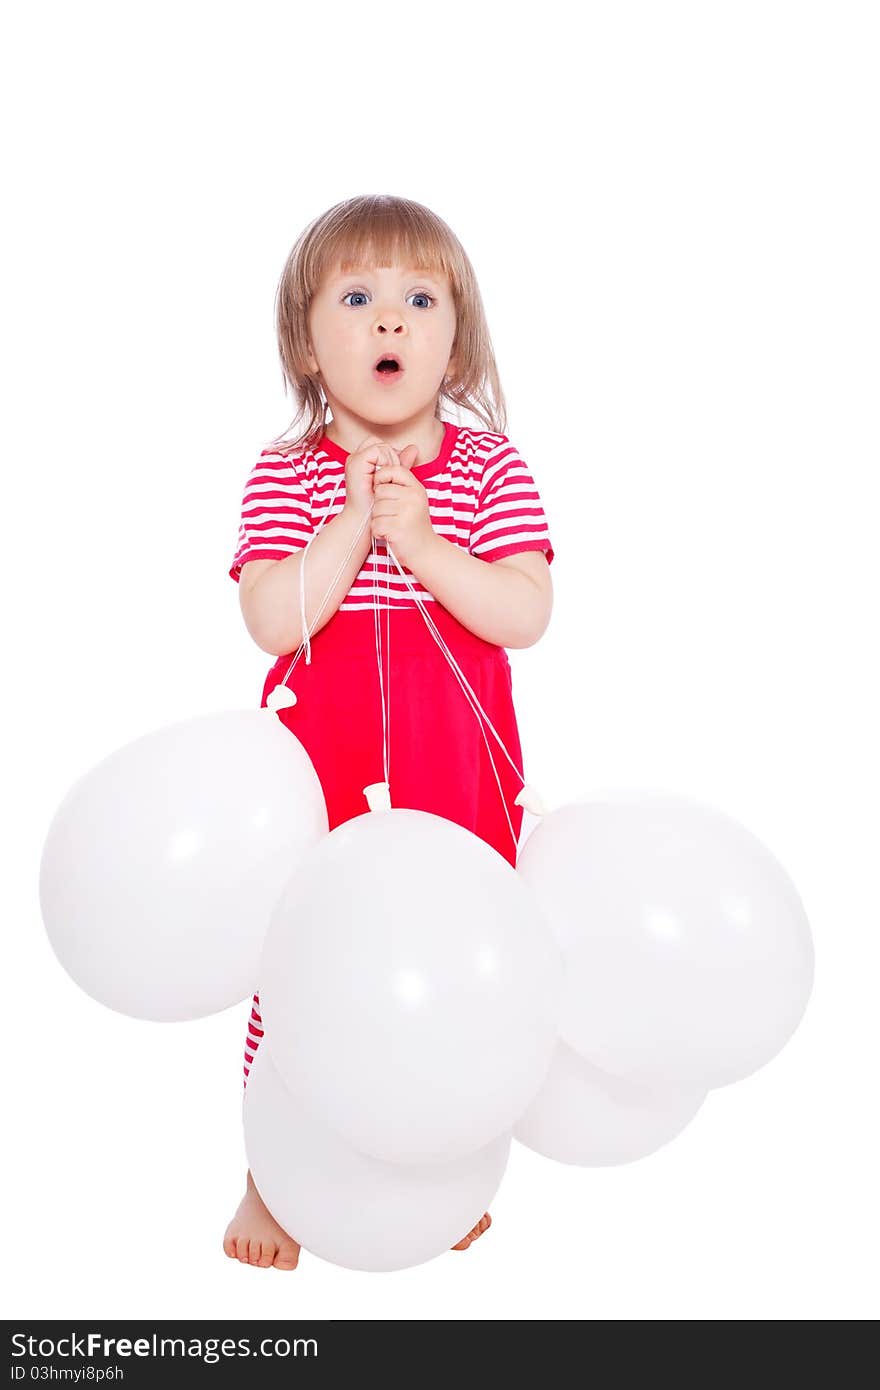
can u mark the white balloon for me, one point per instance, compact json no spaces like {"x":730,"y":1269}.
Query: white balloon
{"x":409,"y":988}
{"x":347,"y":1208}
{"x":162,"y":865}
{"x":689,"y":959}
{"x":582,"y":1115}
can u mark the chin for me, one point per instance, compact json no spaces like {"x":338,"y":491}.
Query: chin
{"x":387,"y":412}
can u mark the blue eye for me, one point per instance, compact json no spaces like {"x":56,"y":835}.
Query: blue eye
{"x":417,"y":294}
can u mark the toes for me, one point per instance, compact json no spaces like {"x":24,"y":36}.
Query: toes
{"x":287,"y":1257}
{"x":482,"y":1225}
{"x":249,"y":1252}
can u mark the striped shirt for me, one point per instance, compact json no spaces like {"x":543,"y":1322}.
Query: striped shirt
{"x":481,"y":496}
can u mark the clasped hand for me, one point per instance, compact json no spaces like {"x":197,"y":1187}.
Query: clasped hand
{"x":400,"y":512}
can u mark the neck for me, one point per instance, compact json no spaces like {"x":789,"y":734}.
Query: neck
{"x":424,"y":429}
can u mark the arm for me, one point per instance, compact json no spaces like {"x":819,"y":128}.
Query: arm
{"x":506,"y":602}
{"x":270,"y":601}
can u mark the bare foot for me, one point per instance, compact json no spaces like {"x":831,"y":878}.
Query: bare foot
{"x":482,"y":1225}
{"x":254,"y":1237}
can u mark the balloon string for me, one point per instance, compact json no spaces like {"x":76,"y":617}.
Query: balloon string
{"x":469,"y":695}
{"x":305,"y":644}
{"x":303,"y":626}
{"x":386,"y":731}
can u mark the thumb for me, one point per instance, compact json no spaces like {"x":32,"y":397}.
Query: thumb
{"x":409,"y":455}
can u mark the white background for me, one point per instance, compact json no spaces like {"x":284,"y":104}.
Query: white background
{"x":672,"y":213}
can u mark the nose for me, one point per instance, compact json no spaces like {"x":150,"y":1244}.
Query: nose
{"x":390,"y":322}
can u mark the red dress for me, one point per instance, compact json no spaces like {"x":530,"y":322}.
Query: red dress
{"x":437,"y":753}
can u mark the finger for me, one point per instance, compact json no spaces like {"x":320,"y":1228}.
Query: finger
{"x":408,"y":455}
{"x":383,"y":457}
{"x":392,"y":473}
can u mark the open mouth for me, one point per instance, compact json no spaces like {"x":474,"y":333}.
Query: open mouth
{"x":388,"y":368}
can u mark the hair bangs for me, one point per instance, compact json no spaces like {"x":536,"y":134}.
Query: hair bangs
{"x":373,"y":236}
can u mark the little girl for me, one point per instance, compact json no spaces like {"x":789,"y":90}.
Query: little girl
{"x":380,"y":280}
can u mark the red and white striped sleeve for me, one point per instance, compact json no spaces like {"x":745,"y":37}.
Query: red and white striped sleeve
{"x":276,"y":512}
{"x":509,"y":516}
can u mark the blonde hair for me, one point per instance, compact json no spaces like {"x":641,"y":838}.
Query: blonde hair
{"x":378,"y":229}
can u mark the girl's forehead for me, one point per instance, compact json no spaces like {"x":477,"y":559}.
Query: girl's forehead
{"x":342,"y":269}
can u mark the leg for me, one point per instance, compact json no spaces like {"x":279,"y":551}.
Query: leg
{"x":253,"y":1236}
{"x":254,"y":1036}
{"x":253,"y":1231}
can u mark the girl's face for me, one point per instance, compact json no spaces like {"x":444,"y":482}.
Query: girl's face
{"x":357,"y":317}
